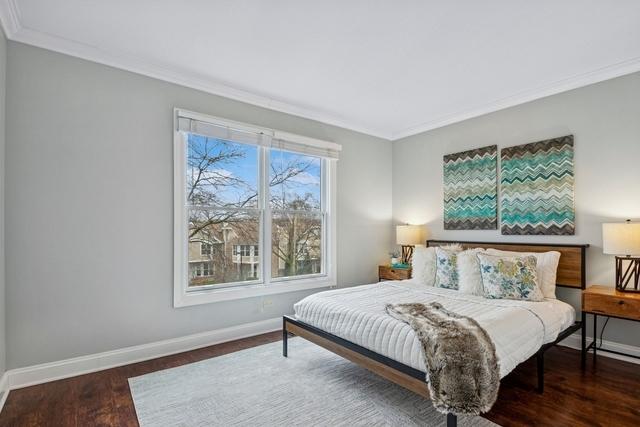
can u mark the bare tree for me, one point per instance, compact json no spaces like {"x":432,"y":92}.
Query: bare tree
{"x":296,"y":236}
{"x":223,"y":197}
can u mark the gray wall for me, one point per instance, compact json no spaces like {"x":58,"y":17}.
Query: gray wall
{"x":3,"y":72}
{"x":89,"y":197}
{"x":89,"y":208}
{"x":605,"y":119}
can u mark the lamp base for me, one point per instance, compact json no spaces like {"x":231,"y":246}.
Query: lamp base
{"x":407,"y":253}
{"x":628,"y":277}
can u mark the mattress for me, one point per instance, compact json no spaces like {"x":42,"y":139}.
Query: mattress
{"x":518,"y":328}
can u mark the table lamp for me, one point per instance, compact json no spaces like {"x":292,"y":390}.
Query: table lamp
{"x":622,"y":239}
{"x":407,"y":236}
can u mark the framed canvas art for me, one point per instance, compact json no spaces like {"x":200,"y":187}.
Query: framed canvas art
{"x":537,"y":188}
{"x":470,"y":189}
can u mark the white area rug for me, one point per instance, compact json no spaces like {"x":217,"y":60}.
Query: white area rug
{"x":259,"y":387}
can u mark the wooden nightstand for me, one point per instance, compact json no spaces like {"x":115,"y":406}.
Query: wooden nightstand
{"x":607,"y":301}
{"x":386,"y":272}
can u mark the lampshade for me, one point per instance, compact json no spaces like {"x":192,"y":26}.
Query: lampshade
{"x":621,"y":238}
{"x":408,"y":235}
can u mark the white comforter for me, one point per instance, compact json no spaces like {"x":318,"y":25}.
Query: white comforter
{"x":517,"y":328}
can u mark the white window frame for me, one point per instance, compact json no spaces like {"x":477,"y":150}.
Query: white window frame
{"x":242,"y":247}
{"x":267,"y":285}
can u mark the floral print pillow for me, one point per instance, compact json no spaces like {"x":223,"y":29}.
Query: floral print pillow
{"x":510,"y":277}
{"x":446,"y":268}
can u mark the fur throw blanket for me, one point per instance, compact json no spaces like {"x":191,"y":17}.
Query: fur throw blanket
{"x":461,"y":361}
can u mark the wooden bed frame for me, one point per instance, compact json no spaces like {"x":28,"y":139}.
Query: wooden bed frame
{"x":571,"y":274}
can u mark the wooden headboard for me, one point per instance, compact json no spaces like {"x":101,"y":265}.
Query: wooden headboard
{"x":571,"y":268}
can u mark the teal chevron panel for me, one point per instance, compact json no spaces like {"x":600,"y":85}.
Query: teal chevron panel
{"x":470,"y":189}
{"x":536,"y":192}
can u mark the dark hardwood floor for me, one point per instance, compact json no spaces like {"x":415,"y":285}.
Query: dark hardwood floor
{"x":606,"y":396}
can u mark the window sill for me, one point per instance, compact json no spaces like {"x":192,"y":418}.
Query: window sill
{"x":208,"y":296}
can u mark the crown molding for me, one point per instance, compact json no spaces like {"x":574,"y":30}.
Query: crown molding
{"x":15,"y":31}
{"x":10,"y":17}
{"x":564,"y":85}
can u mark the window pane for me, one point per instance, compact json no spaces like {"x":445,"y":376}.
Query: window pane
{"x":295,"y":181}
{"x":205,"y":248}
{"x":296,"y":244}
{"x":221,"y":173}
{"x":223,"y":232}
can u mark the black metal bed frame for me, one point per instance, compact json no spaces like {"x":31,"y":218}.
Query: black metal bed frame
{"x":452,"y":419}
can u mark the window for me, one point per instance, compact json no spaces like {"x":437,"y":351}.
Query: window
{"x":207,"y":268}
{"x":252,"y":210}
{"x":205,"y":248}
{"x":296,"y":214}
{"x":200,"y":269}
{"x":221,"y":189}
{"x":245,"y":250}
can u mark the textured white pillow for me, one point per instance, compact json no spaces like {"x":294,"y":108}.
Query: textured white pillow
{"x":546,"y":268}
{"x":423,"y":265}
{"x":453,"y":247}
{"x":469,"y":275}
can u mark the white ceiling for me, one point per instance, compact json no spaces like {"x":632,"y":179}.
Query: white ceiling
{"x":386,"y":68}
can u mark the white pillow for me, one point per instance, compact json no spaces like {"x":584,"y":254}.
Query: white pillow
{"x":453,"y":247}
{"x":546,"y":268}
{"x":423,"y":265}
{"x":469,"y":275}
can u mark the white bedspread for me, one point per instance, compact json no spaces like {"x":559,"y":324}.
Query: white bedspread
{"x":517,"y":328}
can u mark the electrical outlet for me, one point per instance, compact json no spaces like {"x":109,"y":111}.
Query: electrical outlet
{"x":265,"y":304}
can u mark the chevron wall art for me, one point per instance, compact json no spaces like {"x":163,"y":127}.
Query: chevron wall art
{"x":470,"y":190}
{"x":537,"y":188}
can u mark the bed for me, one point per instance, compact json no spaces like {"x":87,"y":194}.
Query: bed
{"x":352,"y":323}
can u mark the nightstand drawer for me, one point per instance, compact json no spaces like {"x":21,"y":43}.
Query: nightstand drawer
{"x":390,"y":273}
{"x":612,"y":305}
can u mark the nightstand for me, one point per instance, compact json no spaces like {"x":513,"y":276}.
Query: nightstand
{"x":607,"y":301}
{"x":386,"y":272}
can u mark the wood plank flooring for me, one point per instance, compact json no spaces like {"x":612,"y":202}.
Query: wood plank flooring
{"x":606,"y":395}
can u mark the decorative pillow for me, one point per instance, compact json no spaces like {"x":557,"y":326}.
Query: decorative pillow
{"x":510,"y":277}
{"x":423,"y":265}
{"x":547,"y":267}
{"x":446,"y":268}
{"x":469,"y":276}
{"x":453,"y":247}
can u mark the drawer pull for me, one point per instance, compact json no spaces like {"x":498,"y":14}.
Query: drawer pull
{"x":620,"y":302}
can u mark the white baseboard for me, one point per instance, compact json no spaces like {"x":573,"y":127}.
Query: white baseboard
{"x":38,"y":374}
{"x":46,"y":372}
{"x":575,"y":341}
{"x":4,"y":389}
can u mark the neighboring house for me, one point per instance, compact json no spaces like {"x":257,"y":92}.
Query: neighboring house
{"x":222,"y":254}
{"x":201,"y":255}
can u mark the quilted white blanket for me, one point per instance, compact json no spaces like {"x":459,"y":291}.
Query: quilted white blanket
{"x":517,"y":328}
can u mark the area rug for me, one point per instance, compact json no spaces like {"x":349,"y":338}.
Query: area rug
{"x":259,"y":387}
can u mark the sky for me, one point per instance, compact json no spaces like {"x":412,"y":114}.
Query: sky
{"x":245,"y":168}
